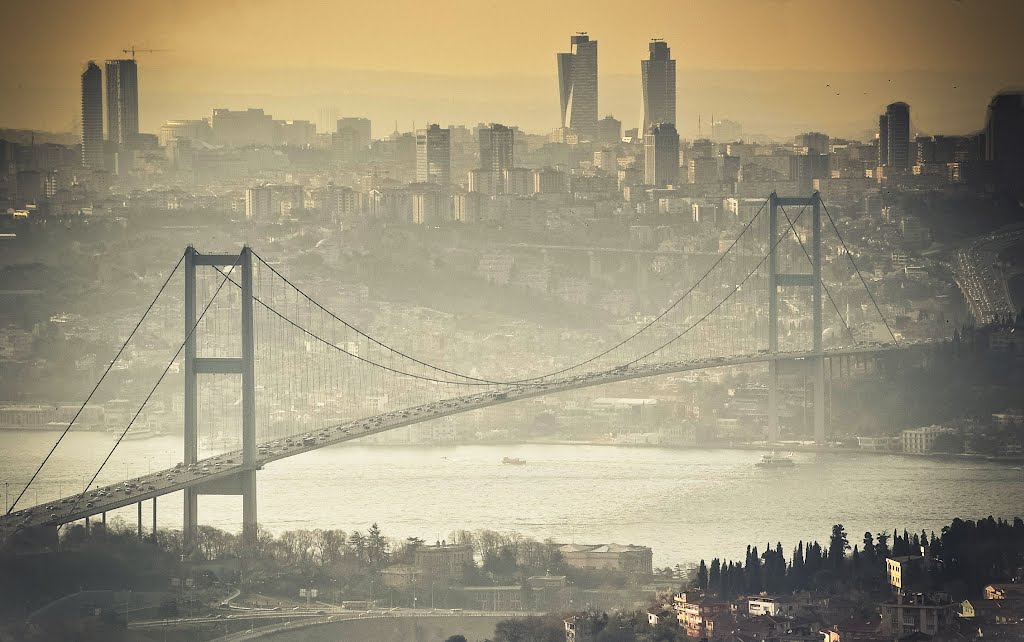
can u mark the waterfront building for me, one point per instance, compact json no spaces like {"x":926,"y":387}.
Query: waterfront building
{"x":443,"y":561}
{"x":618,"y":557}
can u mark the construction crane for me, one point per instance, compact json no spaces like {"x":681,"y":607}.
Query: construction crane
{"x":132,"y":51}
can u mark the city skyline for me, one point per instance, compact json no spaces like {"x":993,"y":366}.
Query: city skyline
{"x":189,"y":79}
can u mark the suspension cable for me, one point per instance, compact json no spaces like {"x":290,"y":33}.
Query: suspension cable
{"x":734,"y":290}
{"x":317,"y":337}
{"x":78,"y":498}
{"x":823,"y":285}
{"x":849,"y":254}
{"x":360,"y":332}
{"x":110,"y":366}
{"x":660,"y":316}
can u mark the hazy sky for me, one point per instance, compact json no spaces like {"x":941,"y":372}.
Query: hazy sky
{"x":763,"y":62}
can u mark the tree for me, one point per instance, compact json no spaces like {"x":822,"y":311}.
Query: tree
{"x":882,"y":547}
{"x":456,"y":638}
{"x":702,"y":576}
{"x":358,"y":544}
{"x":838,"y":544}
{"x":715,"y":576}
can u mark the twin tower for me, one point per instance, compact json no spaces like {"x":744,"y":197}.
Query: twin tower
{"x":577,"y":84}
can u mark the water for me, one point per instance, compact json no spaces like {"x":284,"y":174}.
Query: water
{"x":685,"y":504}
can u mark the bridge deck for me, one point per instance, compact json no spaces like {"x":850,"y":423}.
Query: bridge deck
{"x":226,"y":465}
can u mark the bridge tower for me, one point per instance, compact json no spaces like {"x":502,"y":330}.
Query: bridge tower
{"x":244,"y":482}
{"x":811,"y":280}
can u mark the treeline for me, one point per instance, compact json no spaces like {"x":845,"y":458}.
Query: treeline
{"x":592,"y":626}
{"x":505,"y":558}
{"x":962,"y":559}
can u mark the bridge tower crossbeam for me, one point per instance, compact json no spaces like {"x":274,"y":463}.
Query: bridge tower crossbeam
{"x":244,"y":482}
{"x":812,"y":280}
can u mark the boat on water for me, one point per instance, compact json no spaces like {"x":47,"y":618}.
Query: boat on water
{"x":774,"y":460}
{"x":515,"y":461}
{"x":142,"y":432}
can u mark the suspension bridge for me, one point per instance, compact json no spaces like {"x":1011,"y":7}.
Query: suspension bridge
{"x":267,"y":367}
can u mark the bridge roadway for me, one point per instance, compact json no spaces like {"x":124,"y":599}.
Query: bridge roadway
{"x":224,"y":466}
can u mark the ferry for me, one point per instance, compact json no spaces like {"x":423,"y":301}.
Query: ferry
{"x":772,"y":460}
{"x":515,"y":461}
{"x":142,"y":432}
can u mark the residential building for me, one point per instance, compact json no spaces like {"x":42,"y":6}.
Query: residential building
{"x":433,"y":155}
{"x":92,"y":116}
{"x":351,"y":139}
{"x":921,"y":440}
{"x":242,"y":128}
{"x":894,"y":137}
{"x":904,"y":571}
{"x":915,"y":613}
{"x":122,"y":101}
{"x":1004,"y":592}
{"x":658,"y":80}
{"x":577,"y":84}
{"x":258,"y":203}
{"x":609,"y":130}
{"x":493,"y":598}
{"x":661,"y":155}
{"x":694,"y":611}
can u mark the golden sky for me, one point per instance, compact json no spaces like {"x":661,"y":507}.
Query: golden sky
{"x":304,"y":55}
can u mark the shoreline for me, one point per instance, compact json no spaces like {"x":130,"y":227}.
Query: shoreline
{"x":756,"y":447}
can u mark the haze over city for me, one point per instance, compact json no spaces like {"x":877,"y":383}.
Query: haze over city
{"x":659,"y":322}
{"x":762,"y":63}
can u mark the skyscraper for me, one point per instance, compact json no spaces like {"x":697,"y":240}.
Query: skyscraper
{"x":122,"y":101}
{"x":433,"y":155}
{"x":658,"y":77}
{"x":883,"y":140}
{"x":577,"y":85}
{"x":92,"y":116}
{"x":496,"y":145}
{"x":661,"y":155}
{"x":894,"y":136}
{"x":1004,"y":133}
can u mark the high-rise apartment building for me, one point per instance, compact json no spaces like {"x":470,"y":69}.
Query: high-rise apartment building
{"x":496,"y":152}
{"x":122,"y":101}
{"x":496,"y":147}
{"x":433,"y":155}
{"x":243,"y":127}
{"x":658,"y":78}
{"x":92,"y":116}
{"x":1004,"y":137}
{"x":609,"y":130}
{"x":577,"y":85}
{"x":351,"y":139}
{"x":661,"y":155}
{"x":894,"y":137}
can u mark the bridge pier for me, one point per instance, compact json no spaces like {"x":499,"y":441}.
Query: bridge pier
{"x":818,"y":370}
{"x":244,"y":483}
{"x":140,"y":521}
{"x":773,"y":402}
{"x":810,"y":280}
